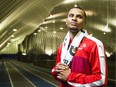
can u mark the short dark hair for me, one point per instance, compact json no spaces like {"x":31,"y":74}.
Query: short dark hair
{"x":78,"y":7}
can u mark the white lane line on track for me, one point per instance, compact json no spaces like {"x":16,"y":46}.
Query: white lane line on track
{"x":22,"y":75}
{"x":39,"y":76}
{"x":9,"y":75}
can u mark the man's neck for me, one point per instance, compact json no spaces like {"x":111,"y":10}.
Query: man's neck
{"x":73,"y":34}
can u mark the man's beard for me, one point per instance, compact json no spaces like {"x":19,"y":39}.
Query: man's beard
{"x":73,"y":30}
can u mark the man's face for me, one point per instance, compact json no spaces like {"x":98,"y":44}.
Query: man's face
{"x":75,"y":19}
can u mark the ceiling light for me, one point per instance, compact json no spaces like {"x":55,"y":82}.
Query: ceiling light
{"x":24,"y":54}
{"x":53,"y":21}
{"x":75,"y":5}
{"x":70,"y":1}
{"x":7,"y":46}
{"x":12,"y":35}
{"x":49,"y":52}
{"x":8,"y":43}
{"x":39,"y":30}
{"x":35,"y":33}
{"x":61,"y":28}
{"x":104,"y":33}
{"x":54,"y":32}
{"x":14,"y":29}
{"x":46,"y":27}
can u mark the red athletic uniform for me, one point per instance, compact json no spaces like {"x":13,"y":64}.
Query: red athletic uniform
{"x":88,"y":66}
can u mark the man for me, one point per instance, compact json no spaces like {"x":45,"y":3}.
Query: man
{"x":80,"y":58}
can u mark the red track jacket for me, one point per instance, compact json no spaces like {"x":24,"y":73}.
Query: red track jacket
{"x":88,"y":67}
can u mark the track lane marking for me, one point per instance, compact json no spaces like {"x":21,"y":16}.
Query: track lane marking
{"x":9,"y":75}
{"x":37,"y":75}
{"x":22,"y":75}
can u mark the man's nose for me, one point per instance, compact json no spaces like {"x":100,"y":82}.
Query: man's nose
{"x":74,"y":18}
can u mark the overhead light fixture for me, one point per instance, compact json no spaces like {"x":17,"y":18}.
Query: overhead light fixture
{"x":46,"y":27}
{"x":7,"y":46}
{"x":12,"y":35}
{"x":70,"y":1}
{"x":8,"y":43}
{"x":48,"y":52}
{"x":53,"y":21}
{"x":75,"y":5}
{"x":14,"y":29}
{"x":61,"y":28}
{"x":39,"y":30}
{"x":54,"y":32}
{"x":35,"y":33}
{"x":24,"y":54}
{"x":104,"y":33}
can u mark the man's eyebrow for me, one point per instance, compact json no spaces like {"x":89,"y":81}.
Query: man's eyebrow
{"x":70,"y":14}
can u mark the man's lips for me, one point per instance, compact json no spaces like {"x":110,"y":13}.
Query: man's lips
{"x":73,"y":23}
